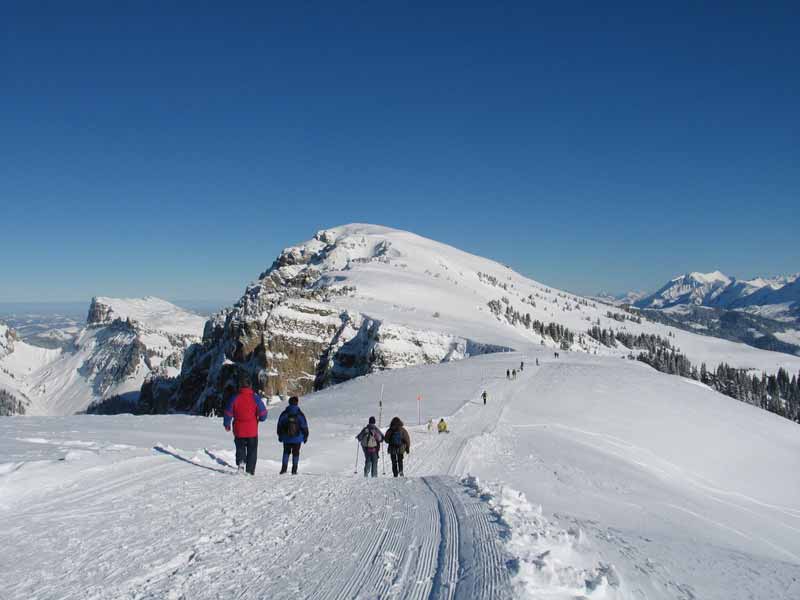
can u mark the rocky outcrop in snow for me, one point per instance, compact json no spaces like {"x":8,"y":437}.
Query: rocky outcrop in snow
{"x":7,"y":338}
{"x":123,"y":341}
{"x":291,"y":334}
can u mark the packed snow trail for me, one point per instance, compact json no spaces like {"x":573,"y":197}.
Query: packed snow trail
{"x":180,"y":525}
{"x":625,"y":484}
{"x":192,"y":533}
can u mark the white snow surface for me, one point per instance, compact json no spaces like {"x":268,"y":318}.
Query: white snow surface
{"x":586,"y":477}
{"x":155,"y":313}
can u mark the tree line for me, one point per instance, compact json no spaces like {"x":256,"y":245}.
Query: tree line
{"x":778,"y":393}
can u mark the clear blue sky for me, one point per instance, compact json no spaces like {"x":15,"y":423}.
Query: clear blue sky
{"x":174,"y":151}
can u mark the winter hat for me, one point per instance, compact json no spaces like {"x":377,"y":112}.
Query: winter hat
{"x":244,"y":380}
{"x":294,"y":400}
{"x":372,"y":420}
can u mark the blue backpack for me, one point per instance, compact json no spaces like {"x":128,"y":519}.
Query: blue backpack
{"x":397,"y":438}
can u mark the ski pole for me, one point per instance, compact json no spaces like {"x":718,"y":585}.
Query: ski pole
{"x":355,"y":471}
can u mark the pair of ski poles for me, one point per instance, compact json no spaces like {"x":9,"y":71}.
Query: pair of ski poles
{"x":383,"y":460}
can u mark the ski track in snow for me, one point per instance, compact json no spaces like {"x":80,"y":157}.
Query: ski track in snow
{"x":424,"y":536}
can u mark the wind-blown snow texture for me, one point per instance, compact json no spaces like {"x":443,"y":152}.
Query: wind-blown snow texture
{"x":590,"y":477}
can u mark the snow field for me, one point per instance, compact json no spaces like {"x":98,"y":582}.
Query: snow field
{"x":587,"y":477}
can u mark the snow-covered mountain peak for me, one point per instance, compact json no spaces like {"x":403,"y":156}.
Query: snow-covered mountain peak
{"x":715,"y":277}
{"x":151,"y":312}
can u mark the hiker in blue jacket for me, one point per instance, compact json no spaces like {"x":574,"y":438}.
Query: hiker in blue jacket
{"x":292,"y":431}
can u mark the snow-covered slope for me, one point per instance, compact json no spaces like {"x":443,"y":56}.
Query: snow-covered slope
{"x":360,"y":298}
{"x":152,"y":313}
{"x":122,"y":343}
{"x":18,"y":361}
{"x":597,"y":478}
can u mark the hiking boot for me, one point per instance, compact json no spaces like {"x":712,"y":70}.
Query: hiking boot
{"x":294,"y":470}
{"x":239,"y":469}
{"x":283,"y":471}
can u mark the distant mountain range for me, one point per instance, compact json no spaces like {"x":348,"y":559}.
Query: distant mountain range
{"x":763,"y":312}
{"x":718,"y":290}
{"x":361,"y":298}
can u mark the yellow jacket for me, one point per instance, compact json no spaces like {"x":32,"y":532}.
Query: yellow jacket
{"x":442,"y":426}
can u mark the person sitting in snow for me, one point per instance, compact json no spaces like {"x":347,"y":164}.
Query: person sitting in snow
{"x":292,"y":431}
{"x":442,"y":426}
{"x":245,"y":409}
{"x":370,"y":439}
{"x":399,"y":444}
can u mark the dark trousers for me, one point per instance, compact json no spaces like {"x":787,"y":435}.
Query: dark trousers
{"x":294,"y":450}
{"x":247,"y":453}
{"x":370,"y":463}
{"x":397,"y":462}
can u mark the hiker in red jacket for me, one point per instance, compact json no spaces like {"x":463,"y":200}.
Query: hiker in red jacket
{"x":246,"y":409}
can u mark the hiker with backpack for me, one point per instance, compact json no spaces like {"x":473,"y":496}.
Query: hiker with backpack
{"x":399,"y":444}
{"x":292,"y":432}
{"x":370,"y":439}
{"x":246,"y":409}
{"x":484,"y":395}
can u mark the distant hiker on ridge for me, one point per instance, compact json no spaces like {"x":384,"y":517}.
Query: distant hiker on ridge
{"x":399,"y":444}
{"x":522,"y":366}
{"x":508,"y":374}
{"x":514,"y":374}
{"x":245,"y":409}
{"x":370,"y":439}
{"x":484,"y":395}
{"x":292,"y":431}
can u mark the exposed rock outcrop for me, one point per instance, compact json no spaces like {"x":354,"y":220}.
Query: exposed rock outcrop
{"x":291,"y":338}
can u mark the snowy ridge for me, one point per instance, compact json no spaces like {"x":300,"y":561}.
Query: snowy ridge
{"x":152,"y":313}
{"x":123,"y":342}
{"x":360,"y":298}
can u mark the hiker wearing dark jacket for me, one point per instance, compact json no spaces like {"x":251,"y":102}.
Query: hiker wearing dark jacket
{"x":246,"y":409}
{"x":292,"y":431}
{"x":399,"y":444}
{"x":370,"y":439}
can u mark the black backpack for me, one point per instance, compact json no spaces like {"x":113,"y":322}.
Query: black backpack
{"x":291,"y":427}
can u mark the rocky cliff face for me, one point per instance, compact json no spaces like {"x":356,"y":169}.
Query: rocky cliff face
{"x":7,"y":338}
{"x":290,"y":336}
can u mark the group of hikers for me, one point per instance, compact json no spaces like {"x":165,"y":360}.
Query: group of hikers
{"x":396,"y":437}
{"x":245,"y":410}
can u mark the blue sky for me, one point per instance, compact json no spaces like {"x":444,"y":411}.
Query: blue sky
{"x":174,"y":151}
